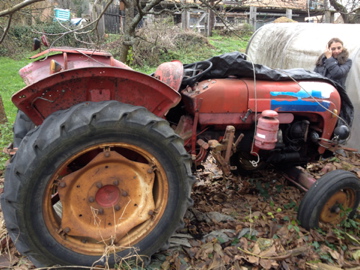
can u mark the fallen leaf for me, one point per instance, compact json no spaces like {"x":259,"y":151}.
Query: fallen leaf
{"x":356,"y":255}
{"x":268,"y":253}
{"x":264,"y":243}
{"x":334,"y":254}
{"x":253,"y":259}
{"x":256,"y":249}
{"x":352,"y":238}
{"x":268,"y":264}
{"x":322,"y":266}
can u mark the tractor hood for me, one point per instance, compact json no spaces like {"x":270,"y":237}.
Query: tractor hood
{"x":235,"y":65}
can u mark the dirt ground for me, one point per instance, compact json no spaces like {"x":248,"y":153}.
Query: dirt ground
{"x":247,"y":223}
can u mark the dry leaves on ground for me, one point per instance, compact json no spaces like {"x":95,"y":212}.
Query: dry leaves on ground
{"x":248,"y":223}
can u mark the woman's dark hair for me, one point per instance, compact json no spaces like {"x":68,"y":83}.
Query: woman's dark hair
{"x":331,"y":41}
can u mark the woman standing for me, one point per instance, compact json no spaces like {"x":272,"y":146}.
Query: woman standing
{"x":334,"y":63}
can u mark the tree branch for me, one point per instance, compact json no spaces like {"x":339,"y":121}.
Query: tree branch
{"x":338,"y":7}
{"x":17,"y":7}
{"x":356,"y":10}
{"x":78,"y":31}
{"x":6,"y":29}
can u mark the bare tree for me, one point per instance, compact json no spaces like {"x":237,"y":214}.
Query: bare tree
{"x":350,"y":11}
{"x":135,"y":12}
{"x":90,"y":27}
{"x":9,"y":13}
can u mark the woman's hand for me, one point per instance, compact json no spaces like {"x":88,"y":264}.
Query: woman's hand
{"x":328,"y":52}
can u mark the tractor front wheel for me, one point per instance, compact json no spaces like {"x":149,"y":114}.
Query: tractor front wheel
{"x":96,"y":184}
{"x":331,"y":199}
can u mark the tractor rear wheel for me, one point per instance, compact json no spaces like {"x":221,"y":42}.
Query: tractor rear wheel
{"x":96,"y":184}
{"x":21,"y":127}
{"x":331,"y":199}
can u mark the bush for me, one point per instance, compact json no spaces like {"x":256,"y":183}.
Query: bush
{"x":16,"y":40}
{"x":68,"y":40}
{"x":162,"y":41}
{"x":20,"y":38}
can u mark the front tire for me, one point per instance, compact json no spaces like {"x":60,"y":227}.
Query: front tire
{"x":93,"y":176}
{"x":329,"y":199}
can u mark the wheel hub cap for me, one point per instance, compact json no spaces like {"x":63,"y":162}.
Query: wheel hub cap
{"x":107,"y":198}
{"x":336,"y":205}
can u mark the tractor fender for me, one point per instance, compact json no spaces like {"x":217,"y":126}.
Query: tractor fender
{"x":64,"y":89}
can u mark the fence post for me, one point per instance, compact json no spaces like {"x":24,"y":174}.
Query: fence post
{"x":253,"y":11}
{"x":185,"y":17}
{"x":95,"y":12}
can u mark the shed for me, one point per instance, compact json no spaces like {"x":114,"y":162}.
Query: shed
{"x":62,"y":14}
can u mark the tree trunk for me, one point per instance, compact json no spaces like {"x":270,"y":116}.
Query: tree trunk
{"x":345,"y":18}
{"x":129,"y":32}
{"x":341,"y":9}
{"x":124,"y":51}
{"x":211,"y":20}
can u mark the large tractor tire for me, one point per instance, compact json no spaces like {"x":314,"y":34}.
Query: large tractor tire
{"x":96,"y":184}
{"x":21,"y":127}
{"x":331,"y":199}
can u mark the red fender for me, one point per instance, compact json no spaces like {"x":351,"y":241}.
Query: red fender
{"x":65,"y":89}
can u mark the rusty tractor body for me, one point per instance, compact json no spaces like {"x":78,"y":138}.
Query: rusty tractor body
{"x":109,"y":160}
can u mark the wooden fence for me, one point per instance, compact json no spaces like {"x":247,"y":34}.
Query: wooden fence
{"x":112,"y":19}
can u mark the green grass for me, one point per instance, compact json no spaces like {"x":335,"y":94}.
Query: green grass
{"x":221,"y":45}
{"x":224,"y":44}
{"x":6,"y":136}
{"x":11,"y":82}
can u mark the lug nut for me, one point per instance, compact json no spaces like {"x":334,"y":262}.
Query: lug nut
{"x":117,"y":207}
{"x":116,"y":182}
{"x":101,"y":211}
{"x":150,"y":170}
{"x":62,"y":184}
{"x":99,"y":185}
{"x":91,"y":199}
{"x":124,"y":193}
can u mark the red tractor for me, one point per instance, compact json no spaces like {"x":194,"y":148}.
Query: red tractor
{"x":103,"y":155}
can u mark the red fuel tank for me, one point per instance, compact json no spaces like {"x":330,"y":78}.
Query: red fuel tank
{"x":267,"y":129}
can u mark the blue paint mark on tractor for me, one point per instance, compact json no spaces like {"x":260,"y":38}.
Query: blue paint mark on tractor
{"x":300,"y":105}
{"x":300,"y":94}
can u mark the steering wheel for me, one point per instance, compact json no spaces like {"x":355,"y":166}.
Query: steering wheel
{"x":195,"y":71}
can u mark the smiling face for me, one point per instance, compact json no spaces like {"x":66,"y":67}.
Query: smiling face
{"x":336,"y":48}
